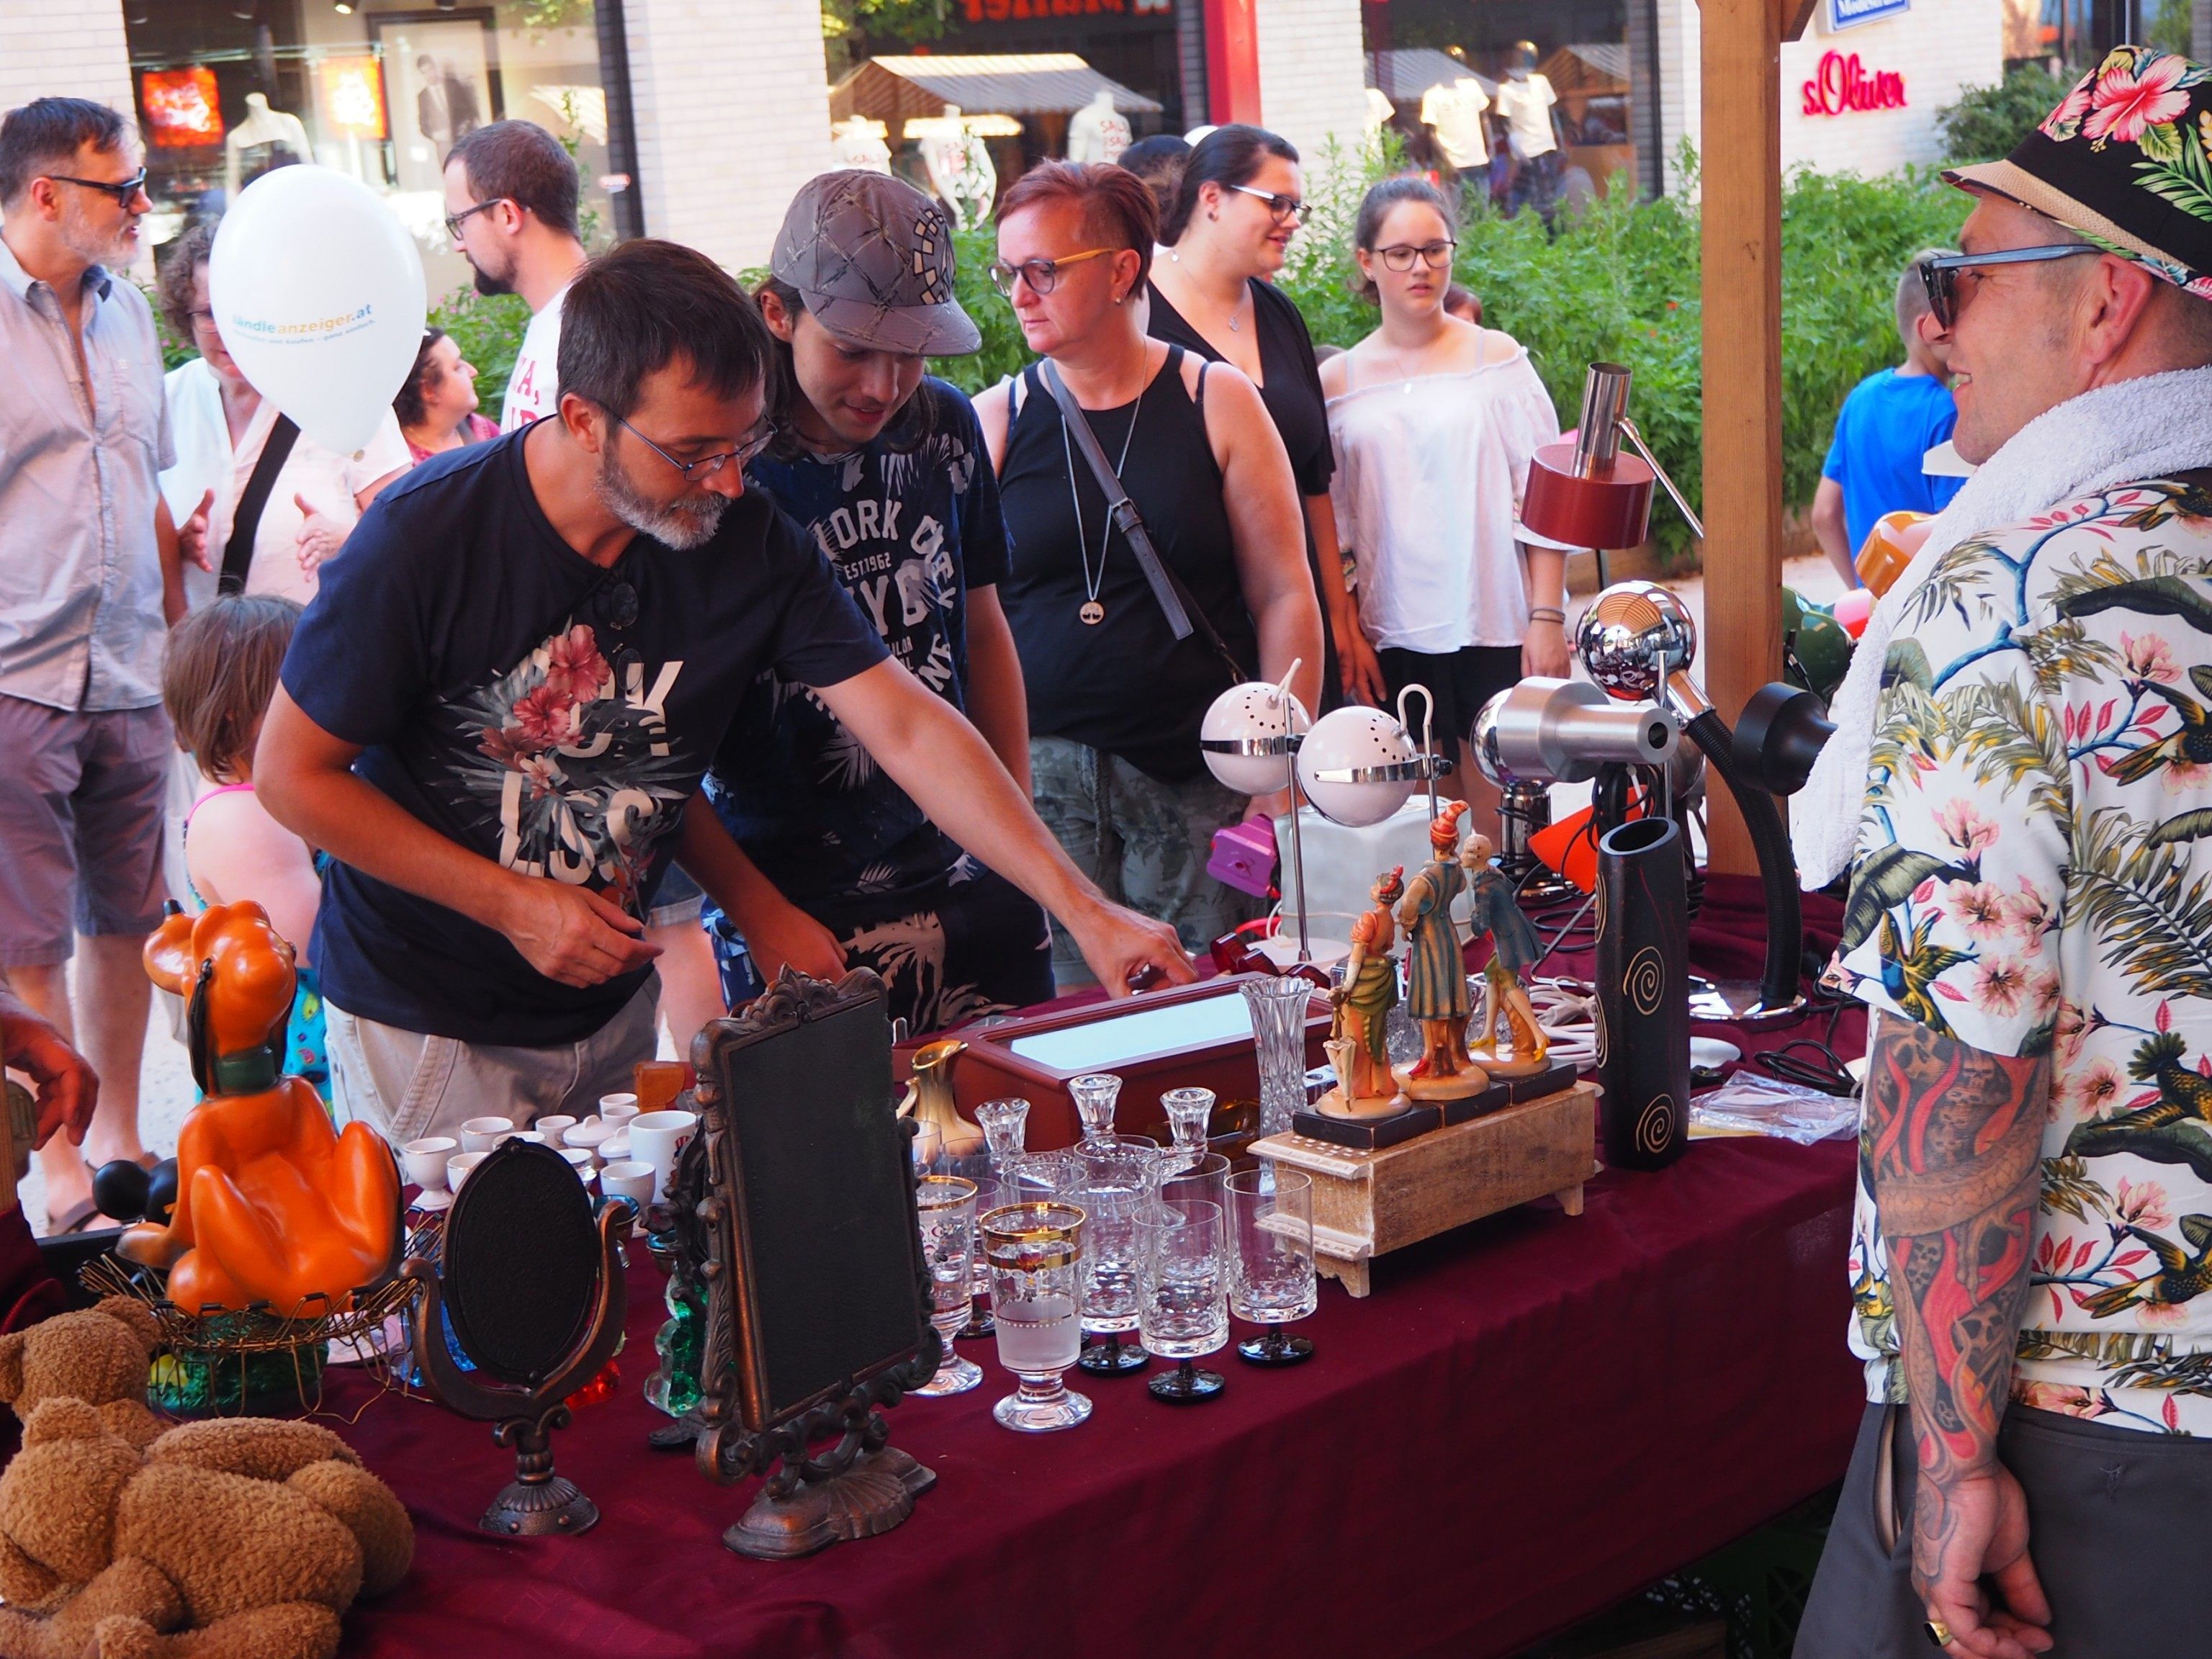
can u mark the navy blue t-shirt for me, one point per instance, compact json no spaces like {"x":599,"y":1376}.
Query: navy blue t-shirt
{"x":908,"y":526}
{"x":547,"y":713}
{"x":1889,"y":422}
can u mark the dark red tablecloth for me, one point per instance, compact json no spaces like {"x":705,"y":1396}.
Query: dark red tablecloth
{"x":1528,"y":1420}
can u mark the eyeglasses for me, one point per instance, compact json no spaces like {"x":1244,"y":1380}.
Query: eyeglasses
{"x":707,"y":465}
{"x":1042,"y":275}
{"x":1281,"y":209}
{"x":1940,"y":276}
{"x":1436,"y":255}
{"x":124,"y":191}
{"x":455,"y":221}
{"x":200,"y":319}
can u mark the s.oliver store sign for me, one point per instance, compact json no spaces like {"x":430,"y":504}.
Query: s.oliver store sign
{"x":1843,"y":84}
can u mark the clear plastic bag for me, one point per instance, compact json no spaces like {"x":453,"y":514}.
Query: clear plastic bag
{"x":1750,"y":1103}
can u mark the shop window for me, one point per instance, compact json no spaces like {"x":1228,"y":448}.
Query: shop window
{"x":380,"y":89}
{"x":1524,"y":103}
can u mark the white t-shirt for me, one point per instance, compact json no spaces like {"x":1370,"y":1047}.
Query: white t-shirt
{"x":534,"y":388}
{"x":206,"y":460}
{"x":1527,"y":108}
{"x":1429,"y":477}
{"x":1454,"y":112}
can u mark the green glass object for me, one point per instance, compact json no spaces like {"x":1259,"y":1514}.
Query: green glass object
{"x":674,"y":1388}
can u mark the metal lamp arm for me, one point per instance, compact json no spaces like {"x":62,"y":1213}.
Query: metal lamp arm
{"x":1636,"y":437}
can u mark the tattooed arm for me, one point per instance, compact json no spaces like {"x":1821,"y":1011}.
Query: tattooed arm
{"x":1956,"y":1137}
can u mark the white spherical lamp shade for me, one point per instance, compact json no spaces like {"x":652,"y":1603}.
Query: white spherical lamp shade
{"x":1243,"y":735}
{"x":1357,"y":740}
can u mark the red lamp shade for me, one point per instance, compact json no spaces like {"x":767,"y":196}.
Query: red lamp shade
{"x":1610,"y":511}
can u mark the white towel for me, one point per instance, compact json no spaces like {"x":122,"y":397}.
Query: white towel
{"x":2124,"y":433}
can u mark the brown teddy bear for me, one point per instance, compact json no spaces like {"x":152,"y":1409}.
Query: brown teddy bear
{"x":241,"y":1538}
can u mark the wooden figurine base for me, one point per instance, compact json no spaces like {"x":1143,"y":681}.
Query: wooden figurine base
{"x":1557,"y":1076}
{"x":1494,"y":1099}
{"x":873,"y":1497}
{"x":1366,"y":1133}
{"x":1368,"y":1203}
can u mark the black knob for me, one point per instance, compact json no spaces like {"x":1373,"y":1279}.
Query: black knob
{"x":122,"y":1188}
{"x":161,"y":1194}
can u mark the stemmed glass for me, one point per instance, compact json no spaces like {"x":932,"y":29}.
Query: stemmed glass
{"x":1004,"y":1124}
{"x":1035,"y":1253}
{"x":1183,"y":1297}
{"x":1094,"y":1094}
{"x":1278,"y":1030}
{"x":1190,"y":1111}
{"x":1271,"y":1271}
{"x":946,"y":1206}
{"x":1117,"y":1182}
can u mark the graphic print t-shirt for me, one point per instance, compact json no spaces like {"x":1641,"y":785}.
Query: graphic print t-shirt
{"x":544,"y":713}
{"x":533,"y":386}
{"x":907,"y":531}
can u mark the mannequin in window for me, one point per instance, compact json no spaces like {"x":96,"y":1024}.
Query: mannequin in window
{"x":1525,"y":102}
{"x":1097,"y":131}
{"x":1453,"y":110}
{"x":251,"y":149}
{"x":858,"y":142}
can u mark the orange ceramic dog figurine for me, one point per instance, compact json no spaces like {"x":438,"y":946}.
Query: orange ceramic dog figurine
{"x":273,"y":1206}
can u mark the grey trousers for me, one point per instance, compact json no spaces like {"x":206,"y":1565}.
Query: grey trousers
{"x":2117,"y":1526}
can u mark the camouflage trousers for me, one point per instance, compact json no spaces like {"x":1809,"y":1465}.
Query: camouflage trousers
{"x":1145,"y":843}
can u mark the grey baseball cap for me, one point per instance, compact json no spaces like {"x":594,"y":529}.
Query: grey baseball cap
{"x":872,"y":257}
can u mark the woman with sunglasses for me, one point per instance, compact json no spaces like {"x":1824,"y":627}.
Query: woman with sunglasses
{"x":1235,"y":211}
{"x":1435,"y":423}
{"x":223,"y":426}
{"x":1114,"y":699}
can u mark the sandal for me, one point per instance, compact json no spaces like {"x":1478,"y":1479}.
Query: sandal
{"x":75,"y":1221}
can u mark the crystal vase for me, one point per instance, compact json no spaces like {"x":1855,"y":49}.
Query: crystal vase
{"x":1278,"y":1032}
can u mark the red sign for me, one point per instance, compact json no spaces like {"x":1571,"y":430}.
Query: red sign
{"x":1000,"y":11}
{"x":1843,"y":83}
{"x":182,"y":107}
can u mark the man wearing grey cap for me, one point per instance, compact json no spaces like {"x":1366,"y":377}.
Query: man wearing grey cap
{"x":882,"y":464}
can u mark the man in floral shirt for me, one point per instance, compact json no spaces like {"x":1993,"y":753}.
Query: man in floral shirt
{"x":2031,"y":912}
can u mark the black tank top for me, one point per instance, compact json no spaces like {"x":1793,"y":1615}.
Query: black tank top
{"x":1127,"y":685}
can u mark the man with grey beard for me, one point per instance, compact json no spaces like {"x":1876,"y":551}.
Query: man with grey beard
{"x":496,"y":714}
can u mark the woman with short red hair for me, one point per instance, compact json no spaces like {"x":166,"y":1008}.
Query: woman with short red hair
{"x":1114,"y":699}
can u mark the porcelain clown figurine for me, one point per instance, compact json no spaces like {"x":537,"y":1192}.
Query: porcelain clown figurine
{"x":1356,"y":1046}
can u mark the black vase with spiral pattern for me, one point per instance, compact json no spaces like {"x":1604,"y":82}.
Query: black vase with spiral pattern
{"x":1643,"y":994}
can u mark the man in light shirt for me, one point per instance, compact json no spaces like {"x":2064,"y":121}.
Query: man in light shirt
{"x":511,"y":195}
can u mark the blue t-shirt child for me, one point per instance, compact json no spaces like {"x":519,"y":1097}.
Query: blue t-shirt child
{"x":529,"y":705}
{"x":1888,"y":423}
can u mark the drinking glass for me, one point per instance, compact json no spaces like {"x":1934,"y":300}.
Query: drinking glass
{"x":1278,"y":1034}
{"x":977,"y":1169}
{"x":1203,"y":1180}
{"x":1189,"y":1112}
{"x":925,"y":1147}
{"x":1271,"y":1271}
{"x":946,"y":1206}
{"x":1036,"y":1253}
{"x":1116,"y":1183}
{"x":1183,"y":1297}
{"x":1094,"y":1094}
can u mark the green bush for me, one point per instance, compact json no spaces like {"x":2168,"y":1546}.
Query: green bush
{"x":1986,"y":122}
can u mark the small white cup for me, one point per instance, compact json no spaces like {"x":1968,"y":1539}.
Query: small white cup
{"x":531,"y":1135}
{"x":657,"y":1138}
{"x":630,"y":1179}
{"x":618,"y":1110}
{"x":481,"y":1134}
{"x":580,"y":1159}
{"x":553,"y":1128}
{"x":424,"y":1161}
{"x":457,"y":1167}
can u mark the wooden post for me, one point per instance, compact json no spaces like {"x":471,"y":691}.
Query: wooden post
{"x":1741,"y":237}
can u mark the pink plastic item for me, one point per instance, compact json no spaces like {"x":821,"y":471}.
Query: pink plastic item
{"x":1244,"y":857}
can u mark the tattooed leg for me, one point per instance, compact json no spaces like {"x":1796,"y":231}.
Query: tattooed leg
{"x":1955,"y":1136}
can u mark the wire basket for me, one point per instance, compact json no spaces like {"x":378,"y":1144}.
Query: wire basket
{"x":257,"y":1362}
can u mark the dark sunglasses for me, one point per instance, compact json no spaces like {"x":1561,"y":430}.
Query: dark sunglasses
{"x":1940,"y":276}
{"x":124,"y":191}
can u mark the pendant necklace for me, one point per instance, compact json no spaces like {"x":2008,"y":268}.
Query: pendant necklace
{"x":1092,"y":613}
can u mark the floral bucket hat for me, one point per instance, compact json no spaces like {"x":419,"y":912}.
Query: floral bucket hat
{"x":2125,"y":160}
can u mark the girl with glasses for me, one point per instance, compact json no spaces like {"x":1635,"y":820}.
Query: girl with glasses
{"x":1435,"y":421}
{"x":1114,"y":699}
{"x":1238,"y":204}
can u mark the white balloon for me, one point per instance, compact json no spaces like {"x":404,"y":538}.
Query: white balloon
{"x":318,"y":290}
